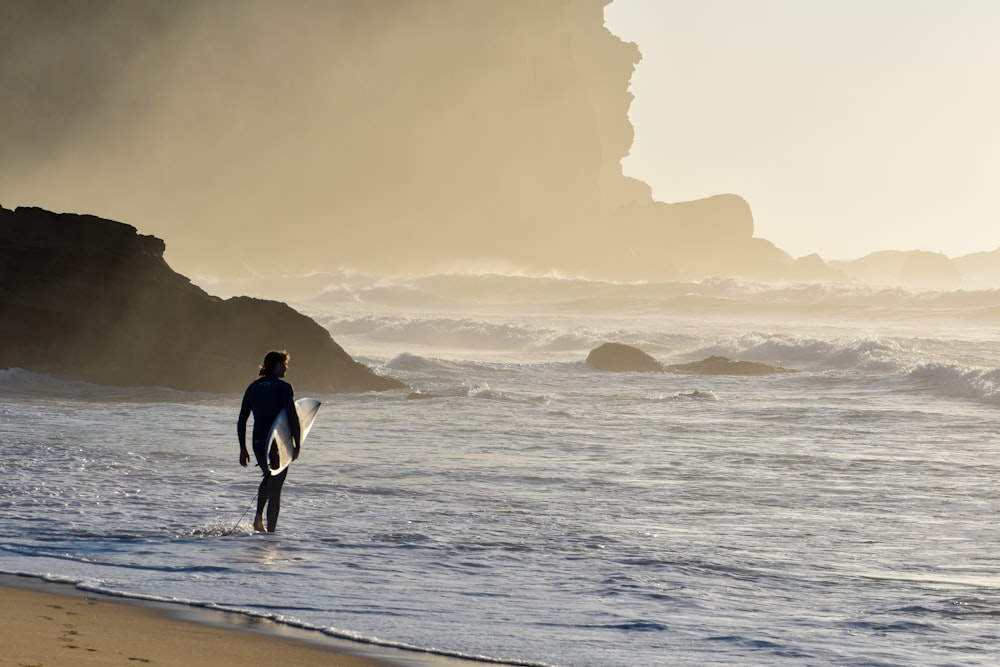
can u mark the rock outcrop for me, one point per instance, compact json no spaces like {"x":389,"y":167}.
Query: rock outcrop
{"x":618,"y":357}
{"x":622,"y":358}
{"x":91,"y":299}
{"x":717,"y":365}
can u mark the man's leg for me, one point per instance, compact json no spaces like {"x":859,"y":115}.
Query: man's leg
{"x":260,"y":453}
{"x":258,"y":520}
{"x":274,"y":485}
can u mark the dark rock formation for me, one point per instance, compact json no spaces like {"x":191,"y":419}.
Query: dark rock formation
{"x":624,"y":358}
{"x":716,"y":365}
{"x":92,"y":299}
{"x":621,"y":358}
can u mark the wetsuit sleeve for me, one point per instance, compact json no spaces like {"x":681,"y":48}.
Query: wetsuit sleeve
{"x":293,"y":415}
{"x":241,"y":422}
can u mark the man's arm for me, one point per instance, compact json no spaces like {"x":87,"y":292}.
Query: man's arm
{"x":241,"y":429}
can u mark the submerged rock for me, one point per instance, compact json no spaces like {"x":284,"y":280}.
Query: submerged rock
{"x":91,"y":299}
{"x":716,"y":365}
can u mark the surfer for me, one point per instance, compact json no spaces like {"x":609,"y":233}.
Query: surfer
{"x":265,"y":398}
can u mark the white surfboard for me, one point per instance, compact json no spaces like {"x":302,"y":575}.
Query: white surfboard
{"x":281,"y":449}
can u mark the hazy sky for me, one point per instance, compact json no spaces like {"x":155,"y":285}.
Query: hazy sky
{"x":849,"y":126}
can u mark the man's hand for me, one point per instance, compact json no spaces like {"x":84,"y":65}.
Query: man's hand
{"x":295,"y":451}
{"x":244,"y":457}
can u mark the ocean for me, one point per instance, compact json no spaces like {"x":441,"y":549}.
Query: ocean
{"x":516,"y":506}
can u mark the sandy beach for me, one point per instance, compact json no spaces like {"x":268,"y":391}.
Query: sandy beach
{"x":52,"y":625}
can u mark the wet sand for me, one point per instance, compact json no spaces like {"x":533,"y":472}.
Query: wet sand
{"x":49,"y":625}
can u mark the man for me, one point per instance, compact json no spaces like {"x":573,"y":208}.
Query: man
{"x":265,"y":398}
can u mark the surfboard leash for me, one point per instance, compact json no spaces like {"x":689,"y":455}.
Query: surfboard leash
{"x":233,"y":529}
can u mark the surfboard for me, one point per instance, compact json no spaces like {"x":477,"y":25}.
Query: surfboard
{"x":281,"y":449}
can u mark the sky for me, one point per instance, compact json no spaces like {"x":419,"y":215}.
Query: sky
{"x":849,"y":127}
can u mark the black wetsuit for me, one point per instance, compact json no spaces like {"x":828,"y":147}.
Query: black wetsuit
{"x":265,"y":397}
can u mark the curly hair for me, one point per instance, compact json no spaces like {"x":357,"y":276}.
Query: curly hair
{"x":271,"y":359}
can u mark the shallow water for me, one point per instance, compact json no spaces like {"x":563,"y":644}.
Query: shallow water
{"x":532,"y":510}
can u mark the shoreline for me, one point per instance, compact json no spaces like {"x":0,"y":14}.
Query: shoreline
{"x":44,"y":623}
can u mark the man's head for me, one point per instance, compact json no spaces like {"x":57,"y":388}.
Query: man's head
{"x":275,"y":362}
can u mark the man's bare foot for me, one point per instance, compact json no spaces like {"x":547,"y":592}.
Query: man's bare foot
{"x":258,"y":524}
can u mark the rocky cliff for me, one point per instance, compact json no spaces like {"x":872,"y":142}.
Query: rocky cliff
{"x":406,"y":136}
{"x":92,"y":299}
